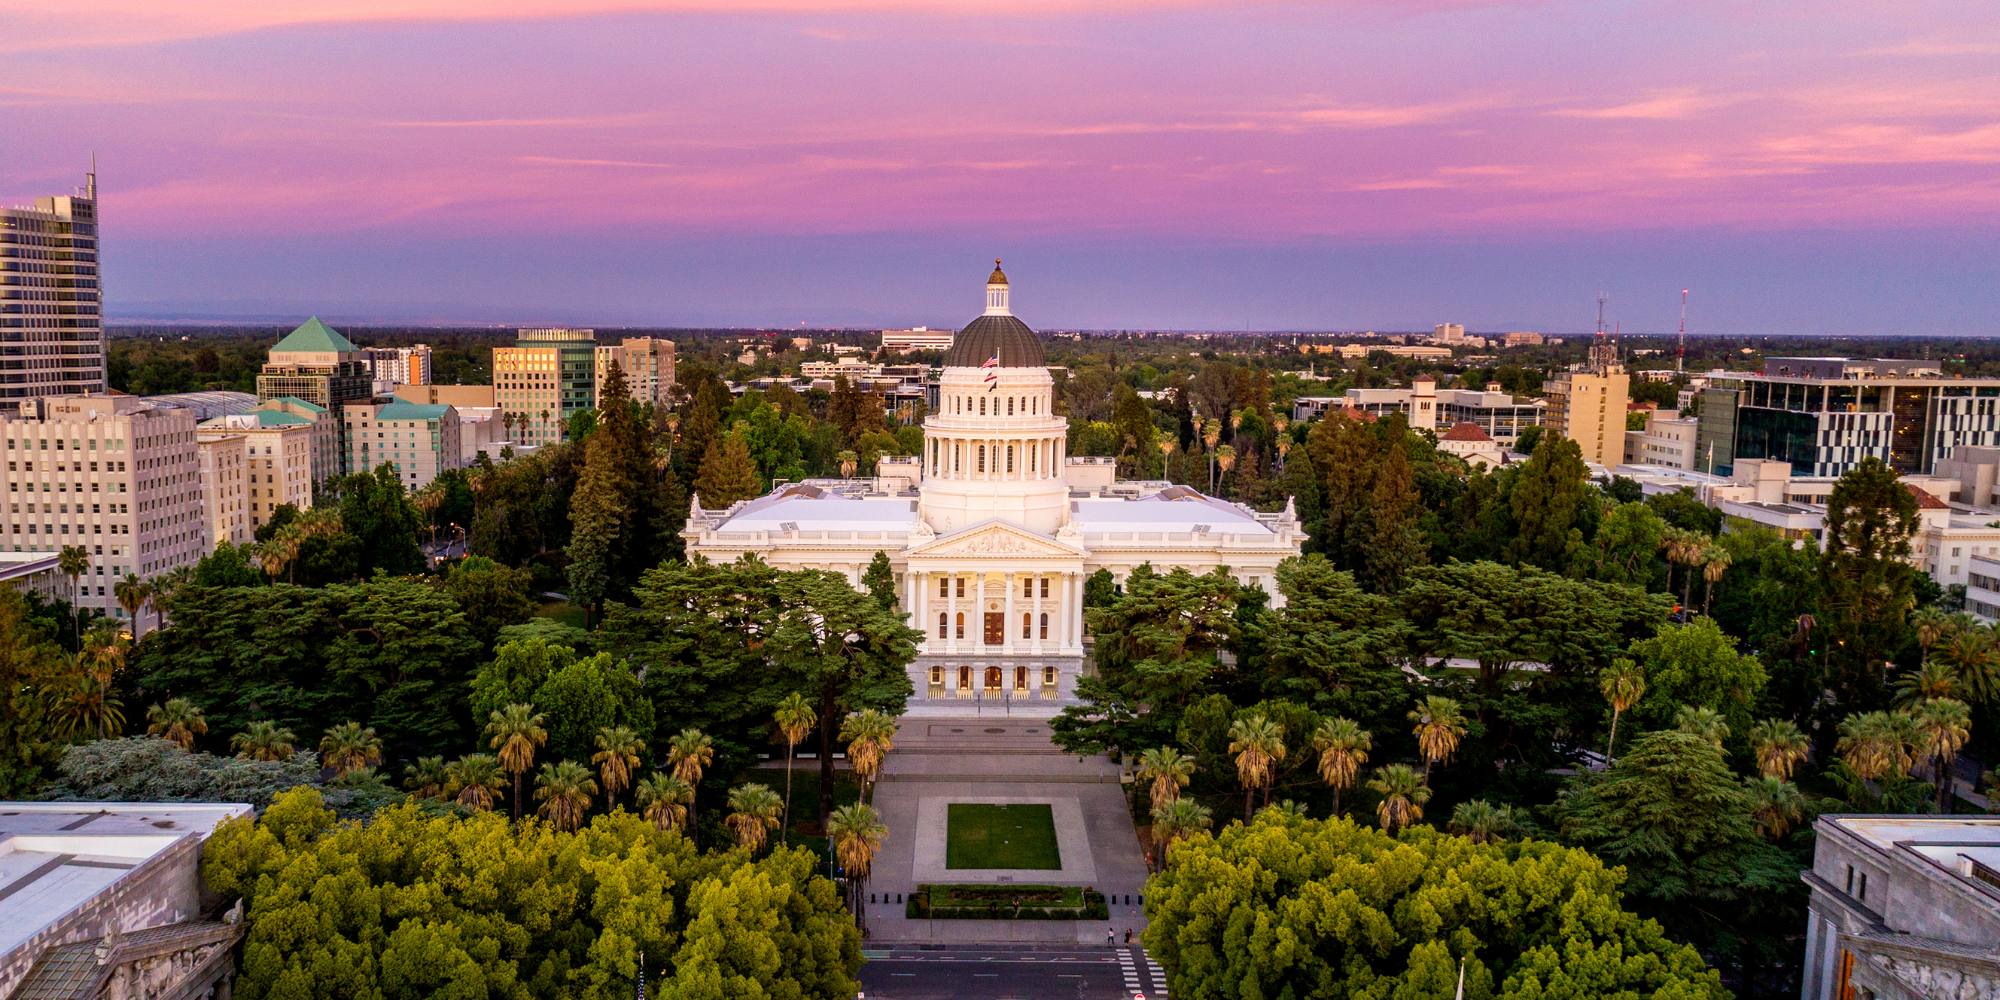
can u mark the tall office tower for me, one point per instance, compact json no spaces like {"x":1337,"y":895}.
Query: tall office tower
{"x":117,"y":475}
{"x":51,"y":308}
{"x":543,"y":380}
{"x":314,"y":363}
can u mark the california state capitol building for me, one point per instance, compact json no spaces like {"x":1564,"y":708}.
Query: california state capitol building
{"x":994,"y":528}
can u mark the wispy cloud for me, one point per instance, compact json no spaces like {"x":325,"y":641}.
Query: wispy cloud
{"x":1685,"y":102}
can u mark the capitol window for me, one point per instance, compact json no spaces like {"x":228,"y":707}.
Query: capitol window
{"x":1010,"y":459}
{"x":944,"y":588}
{"x":1010,"y":406}
{"x":1045,"y":587}
{"x":1045,"y":625}
{"x":961,"y":625}
{"x":982,"y":458}
{"x":1048,"y":677}
{"x":1028,"y":587}
{"x":941,"y":624}
{"x":982,"y":407}
{"x":961,"y":587}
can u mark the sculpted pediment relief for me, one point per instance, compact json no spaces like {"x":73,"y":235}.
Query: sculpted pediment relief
{"x":996,"y":540}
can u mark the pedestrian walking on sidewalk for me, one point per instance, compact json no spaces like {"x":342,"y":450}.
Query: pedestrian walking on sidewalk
{"x":1128,"y":935}
{"x":1110,"y":938}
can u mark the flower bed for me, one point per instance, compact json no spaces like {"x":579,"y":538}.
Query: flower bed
{"x":1005,"y":902}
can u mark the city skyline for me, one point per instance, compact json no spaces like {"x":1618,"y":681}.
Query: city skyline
{"x":1170,"y":165}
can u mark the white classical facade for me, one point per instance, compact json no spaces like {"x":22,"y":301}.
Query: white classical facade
{"x":994,"y":529}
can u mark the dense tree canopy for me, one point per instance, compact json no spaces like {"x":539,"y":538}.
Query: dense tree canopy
{"x":420,"y":905}
{"x":1291,"y":907}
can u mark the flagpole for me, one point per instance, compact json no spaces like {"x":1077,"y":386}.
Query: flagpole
{"x":1461,"y":981}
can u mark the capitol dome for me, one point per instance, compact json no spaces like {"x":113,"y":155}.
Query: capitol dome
{"x":997,"y":334}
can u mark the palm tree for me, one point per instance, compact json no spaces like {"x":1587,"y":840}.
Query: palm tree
{"x":1483,"y":822}
{"x":753,"y":814}
{"x":476,"y":776}
{"x":663,"y":800}
{"x":178,"y":720}
{"x":1288,"y":808}
{"x":1775,"y":804}
{"x":1670,"y":547}
{"x":1695,"y":557}
{"x":263,"y":741}
{"x":1225,"y":459}
{"x":688,"y":754}
{"x":1931,"y":625}
{"x":869,"y":735}
{"x":1403,"y":794}
{"x":1623,"y":684}
{"x":1439,"y":726}
{"x":795,"y":718}
{"x":1258,"y":744}
{"x":280,"y":555}
{"x":1169,"y":770}
{"x":516,"y":731}
{"x":1779,"y":747}
{"x":132,"y":594}
{"x":848,"y":461}
{"x":1878,"y":744}
{"x":1975,"y":662}
{"x":428,"y":778}
{"x":857,"y":831}
{"x":1934,"y":679}
{"x":564,"y":790}
{"x":1343,"y":747}
{"x":618,"y":750}
{"x":1707,"y":723}
{"x":1179,"y":820}
{"x":74,"y":561}
{"x":83,"y":700}
{"x":1945,"y":724}
{"x":1714,"y":563}
{"x":348,"y":748}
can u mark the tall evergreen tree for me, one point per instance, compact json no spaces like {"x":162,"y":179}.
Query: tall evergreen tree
{"x":1396,"y":545}
{"x":1545,"y":499}
{"x":880,"y":580}
{"x":728,"y":474}
{"x":1867,"y":579}
{"x":600,"y":520}
{"x":1343,"y":449}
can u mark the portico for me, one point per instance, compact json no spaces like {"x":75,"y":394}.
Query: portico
{"x":1001,"y":608}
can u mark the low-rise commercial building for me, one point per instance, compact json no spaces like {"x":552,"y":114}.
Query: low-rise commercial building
{"x":1667,"y":440}
{"x":1903,"y":907}
{"x":917,"y":339}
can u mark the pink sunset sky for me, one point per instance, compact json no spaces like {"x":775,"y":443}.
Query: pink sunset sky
{"x":1807,"y":167}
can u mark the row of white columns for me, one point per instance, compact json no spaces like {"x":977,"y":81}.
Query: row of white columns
{"x":1066,"y":616}
{"x":958,"y":458}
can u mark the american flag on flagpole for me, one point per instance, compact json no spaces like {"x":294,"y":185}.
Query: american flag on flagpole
{"x":992,"y":372}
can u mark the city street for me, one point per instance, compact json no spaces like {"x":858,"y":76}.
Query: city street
{"x":975,"y":973}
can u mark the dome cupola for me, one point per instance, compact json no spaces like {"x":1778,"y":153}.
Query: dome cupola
{"x":997,"y":334}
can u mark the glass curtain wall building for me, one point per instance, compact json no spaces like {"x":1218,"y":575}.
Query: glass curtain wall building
{"x":1826,"y":415}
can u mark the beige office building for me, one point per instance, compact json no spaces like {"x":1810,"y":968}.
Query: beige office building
{"x":1588,"y":406}
{"x":277,"y":459}
{"x":648,"y":364}
{"x":115,"y":474}
{"x":225,"y":488}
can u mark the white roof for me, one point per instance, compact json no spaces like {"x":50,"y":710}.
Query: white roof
{"x":1178,"y":509}
{"x":57,"y":856}
{"x":824,"y":512}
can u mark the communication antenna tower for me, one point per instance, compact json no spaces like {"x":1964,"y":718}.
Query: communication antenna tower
{"x":1680,"y":358}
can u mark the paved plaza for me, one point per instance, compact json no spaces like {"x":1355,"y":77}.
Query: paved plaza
{"x":941,"y":760}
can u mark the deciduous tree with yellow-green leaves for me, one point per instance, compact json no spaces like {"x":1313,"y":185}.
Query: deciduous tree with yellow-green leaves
{"x":1293,"y":907}
{"x":415,"y":904}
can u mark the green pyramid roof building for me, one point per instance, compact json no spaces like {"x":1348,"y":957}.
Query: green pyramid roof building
{"x":314,"y":337}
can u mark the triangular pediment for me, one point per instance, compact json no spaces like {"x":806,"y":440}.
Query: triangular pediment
{"x":996,"y":538}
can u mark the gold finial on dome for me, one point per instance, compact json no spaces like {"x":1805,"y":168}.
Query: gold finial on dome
{"x":998,"y":277}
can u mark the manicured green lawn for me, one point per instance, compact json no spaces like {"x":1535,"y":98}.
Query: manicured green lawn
{"x":988,"y":836}
{"x":563,"y":612}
